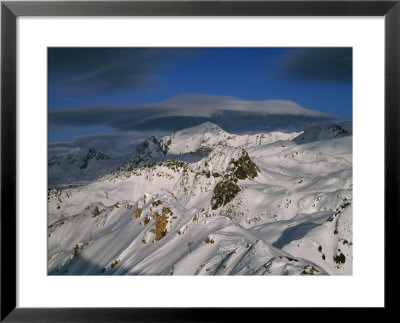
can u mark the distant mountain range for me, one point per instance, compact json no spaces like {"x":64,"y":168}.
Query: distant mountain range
{"x":325,"y":132}
{"x":79,"y":166}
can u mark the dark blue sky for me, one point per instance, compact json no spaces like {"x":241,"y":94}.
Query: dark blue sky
{"x":112,"y":98}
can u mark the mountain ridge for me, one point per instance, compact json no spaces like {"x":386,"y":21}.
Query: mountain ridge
{"x":189,"y":144}
{"x":262,"y":207}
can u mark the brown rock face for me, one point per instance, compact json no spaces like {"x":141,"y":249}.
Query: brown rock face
{"x":167,"y":211}
{"x":145,"y":221}
{"x":156,"y":203}
{"x":244,"y":167}
{"x":137,"y":213}
{"x":227,"y":189}
{"x":224,"y":192}
{"x":161,"y":224}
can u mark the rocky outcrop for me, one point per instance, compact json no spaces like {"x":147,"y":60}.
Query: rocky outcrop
{"x":224,"y":192}
{"x":161,"y":225}
{"x":93,"y":154}
{"x":238,"y":169}
{"x":244,"y":167}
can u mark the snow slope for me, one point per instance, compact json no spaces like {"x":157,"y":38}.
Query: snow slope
{"x":252,"y":205}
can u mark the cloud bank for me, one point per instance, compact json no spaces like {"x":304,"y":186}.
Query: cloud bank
{"x":232,"y":114}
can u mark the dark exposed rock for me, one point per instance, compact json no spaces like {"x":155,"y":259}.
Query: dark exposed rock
{"x":244,"y":167}
{"x":224,"y":192}
{"x":174,"y":164}
{"x":157,"y":203}
{"x":239,"y":169}
{"x":96,"y":212}
{"x":93,"y":154}
{"x":114,"y":264}
{"x":340,"y":259}
{"x":309,"y":270}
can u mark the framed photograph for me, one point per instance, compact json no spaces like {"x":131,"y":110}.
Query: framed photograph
{"x":199,"y":183}
{"x":190,"y":160}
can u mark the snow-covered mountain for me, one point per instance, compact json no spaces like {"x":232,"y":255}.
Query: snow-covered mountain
{"x":253,"y":204}
{"x":148,"y":152}
{"x":193,"y":144}
{"x":78,"y":166}
{"x":325,"y":132}
{"x":206,"y":136}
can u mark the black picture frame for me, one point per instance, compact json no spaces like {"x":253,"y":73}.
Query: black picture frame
{"x":10,"y":10}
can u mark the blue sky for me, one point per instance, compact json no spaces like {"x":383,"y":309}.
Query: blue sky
{"x":112,"y":98}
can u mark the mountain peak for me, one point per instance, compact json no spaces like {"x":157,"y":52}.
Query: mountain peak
{"x":325,"y":132}
{"x":202,"y":128}
{"x":151,"y":148}
{"x":79,"y":153}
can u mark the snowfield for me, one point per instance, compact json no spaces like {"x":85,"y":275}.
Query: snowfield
{"x":205,"y":202}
